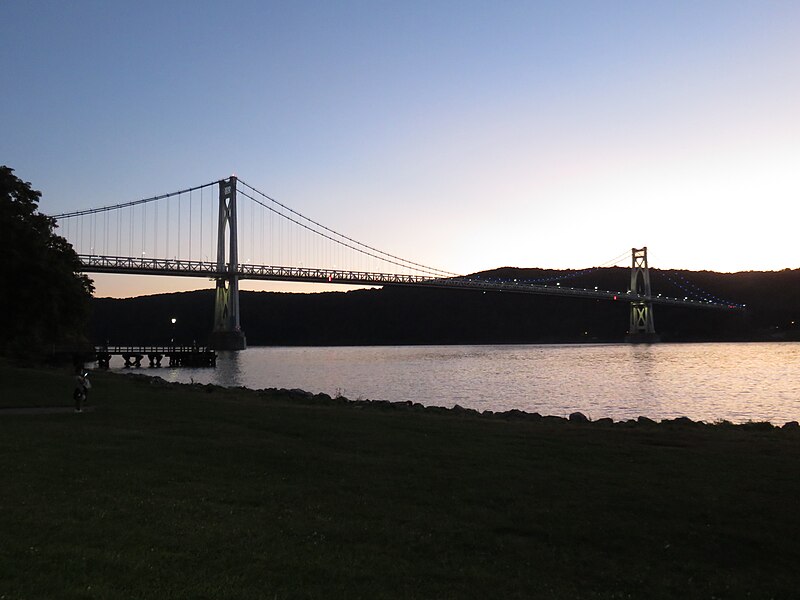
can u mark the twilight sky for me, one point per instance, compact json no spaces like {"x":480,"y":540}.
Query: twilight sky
{"x":465,"y":135}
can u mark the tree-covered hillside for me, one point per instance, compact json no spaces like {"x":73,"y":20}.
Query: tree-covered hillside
{"x":430,"y":316}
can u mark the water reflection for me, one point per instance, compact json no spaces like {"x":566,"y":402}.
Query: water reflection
{"x":645,"y":363}
{"x":229,"y":369}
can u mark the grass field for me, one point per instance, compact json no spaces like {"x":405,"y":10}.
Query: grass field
{"x":168,"y":491}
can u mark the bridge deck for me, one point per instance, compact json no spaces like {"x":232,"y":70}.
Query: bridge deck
{"x":188,"y":268}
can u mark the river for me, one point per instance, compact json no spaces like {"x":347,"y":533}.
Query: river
{"x":709,"y":382}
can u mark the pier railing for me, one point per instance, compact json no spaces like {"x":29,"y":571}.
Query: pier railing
{"x":177,"y":355}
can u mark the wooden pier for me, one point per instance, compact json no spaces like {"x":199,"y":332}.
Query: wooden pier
{"x":176,"y":356}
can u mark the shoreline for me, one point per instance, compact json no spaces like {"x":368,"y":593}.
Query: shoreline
{"x":576,"y":417}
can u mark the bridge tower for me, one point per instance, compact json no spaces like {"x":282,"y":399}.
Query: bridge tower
{"x":227,"y":333}
{"x":642,"y":329}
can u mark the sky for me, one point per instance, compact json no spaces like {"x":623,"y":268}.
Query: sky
{"x":460,"y":134}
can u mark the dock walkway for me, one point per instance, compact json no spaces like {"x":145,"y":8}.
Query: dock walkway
{"x":177,"y":356}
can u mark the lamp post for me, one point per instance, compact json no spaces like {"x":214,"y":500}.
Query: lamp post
{"x":173,"y":320}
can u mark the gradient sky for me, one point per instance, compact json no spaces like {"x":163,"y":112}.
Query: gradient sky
{"x":464,"y":135}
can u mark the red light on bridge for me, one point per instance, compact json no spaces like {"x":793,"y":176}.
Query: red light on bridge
{"x":615,"y":298}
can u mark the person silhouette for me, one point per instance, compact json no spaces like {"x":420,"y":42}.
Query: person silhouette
{"x":81,"y":392}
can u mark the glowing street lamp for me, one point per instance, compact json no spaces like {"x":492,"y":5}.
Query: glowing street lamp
{"x":173,"y":320}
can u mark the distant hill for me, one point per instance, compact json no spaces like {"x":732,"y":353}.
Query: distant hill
{"x":407,"y":315}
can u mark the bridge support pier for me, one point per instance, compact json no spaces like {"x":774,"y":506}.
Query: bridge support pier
{"x":227,"y":333}
{"x":642,"y":329}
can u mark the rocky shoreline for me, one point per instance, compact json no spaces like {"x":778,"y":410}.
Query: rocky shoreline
{"x":575,"y":418}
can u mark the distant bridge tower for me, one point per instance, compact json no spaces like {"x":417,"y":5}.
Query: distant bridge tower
{"x":227,"y":333}
{"x":641,"y":328}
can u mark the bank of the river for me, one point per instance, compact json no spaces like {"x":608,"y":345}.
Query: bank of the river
{"x":176,"y":491}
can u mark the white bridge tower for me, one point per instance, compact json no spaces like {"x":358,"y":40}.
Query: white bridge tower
{"x":227,"y":333}
{"x":642,"y":329}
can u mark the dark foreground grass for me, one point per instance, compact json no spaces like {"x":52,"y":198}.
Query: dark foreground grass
{"x":170,"y":491}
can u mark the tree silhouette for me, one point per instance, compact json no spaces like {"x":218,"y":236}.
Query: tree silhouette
{"x":44,"y":298}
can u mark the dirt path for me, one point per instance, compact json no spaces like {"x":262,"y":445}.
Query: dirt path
{"x":42,"y":410}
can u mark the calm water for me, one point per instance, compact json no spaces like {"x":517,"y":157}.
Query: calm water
{"x":737,"y":382}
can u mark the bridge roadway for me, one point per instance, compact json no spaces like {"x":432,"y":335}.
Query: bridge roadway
{"x":190,"y":268}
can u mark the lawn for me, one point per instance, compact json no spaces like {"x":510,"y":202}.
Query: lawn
{"x":169,"y":491}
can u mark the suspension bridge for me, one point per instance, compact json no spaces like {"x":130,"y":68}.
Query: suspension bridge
{"x":202,"y":232}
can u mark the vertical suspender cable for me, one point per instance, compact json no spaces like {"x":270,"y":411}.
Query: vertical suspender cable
{"x":155,"y":231}
{"x":261,"y":238}
{"x":130,"y":233}
{"x":273,"y":255}
{"x":202,"y":196}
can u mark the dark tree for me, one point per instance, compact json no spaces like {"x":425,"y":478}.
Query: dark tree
{"x":44,"y":299}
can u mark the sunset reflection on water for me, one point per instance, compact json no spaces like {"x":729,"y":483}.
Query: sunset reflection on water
{"x":709,"y":382}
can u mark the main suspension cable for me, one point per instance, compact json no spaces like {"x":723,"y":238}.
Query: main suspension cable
{"x":90,"y":211}
{"x":430,"y":270}
{"x":433,"y":273}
